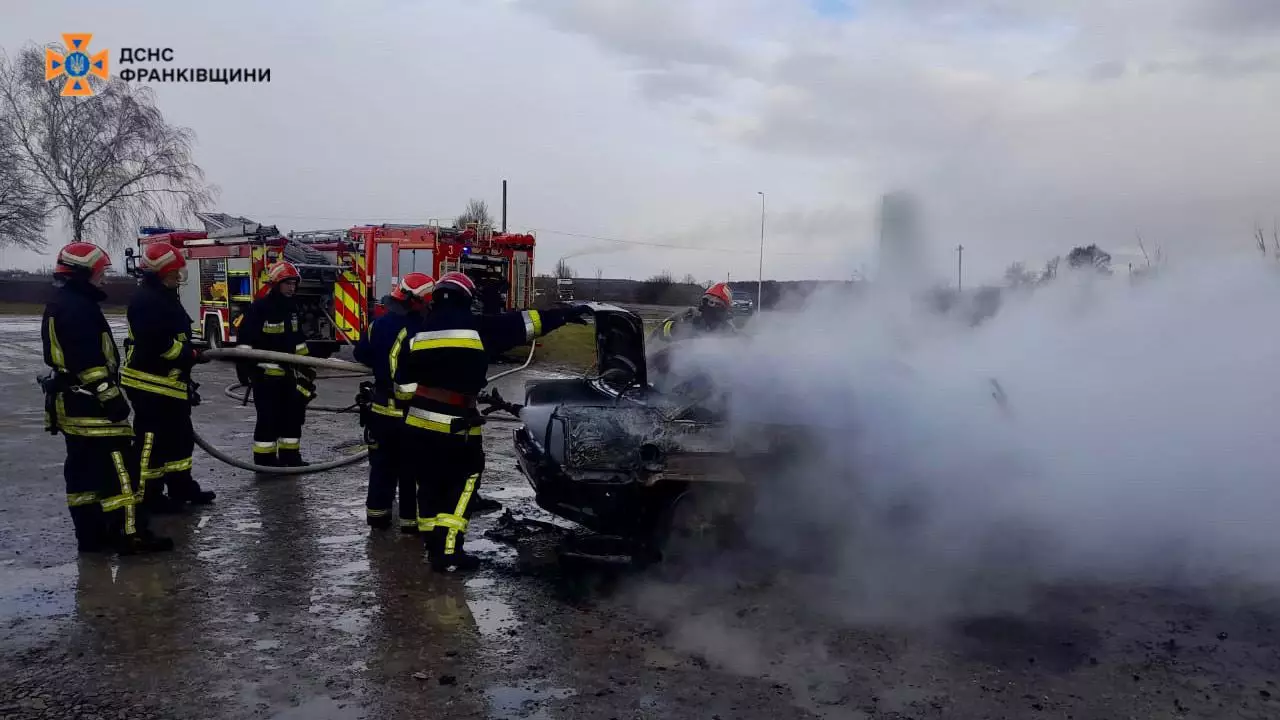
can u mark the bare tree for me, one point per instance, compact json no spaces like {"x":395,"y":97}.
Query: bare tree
{"x":1050,"y":270}
{"x":23,"y":211}
{"x":1017,"y":275}
{"x":563,"y":270}
{"x":106,"y":161}
{"x":689,"y":279}
{"x":477,"y":212}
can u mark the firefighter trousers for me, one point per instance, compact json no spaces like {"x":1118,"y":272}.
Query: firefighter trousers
{"x":102,"y":488}
{"x":383,"y":436}
{"x":281,"y":411}
{"x":165,"y":441}
{"x":447,"y":468}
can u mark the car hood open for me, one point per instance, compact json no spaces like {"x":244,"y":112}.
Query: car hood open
{"x":619,"y":342}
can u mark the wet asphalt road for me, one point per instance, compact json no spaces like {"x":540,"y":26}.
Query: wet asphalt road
{"x":278,"y":603}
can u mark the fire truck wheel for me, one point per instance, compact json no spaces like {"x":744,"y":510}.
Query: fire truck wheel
{"x":213,"y":332}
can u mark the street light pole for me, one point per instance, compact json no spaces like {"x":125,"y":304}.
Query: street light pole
{"x":760,"y":277}
{"x":960,"y":267}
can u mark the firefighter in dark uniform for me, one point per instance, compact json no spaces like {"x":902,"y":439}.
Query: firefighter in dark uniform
{"x":440,"y":371}
{"x":381,"y":415}
{"x":712,"y":316}
{"x":157,"y":379}
{"x":83,"y":400}
{"x":280,"y":392}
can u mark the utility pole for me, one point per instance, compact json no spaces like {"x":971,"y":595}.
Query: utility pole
{"x":959,"y":267}
{"x":504,"y":206}
{"x":760,"y":278}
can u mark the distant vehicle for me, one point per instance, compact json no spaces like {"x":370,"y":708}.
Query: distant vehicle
{"x":564,"y":289}
{"x":742,"y":304}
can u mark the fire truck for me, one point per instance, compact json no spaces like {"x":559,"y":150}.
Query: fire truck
{"x":373,"y":258}
{"x":227,"y":266}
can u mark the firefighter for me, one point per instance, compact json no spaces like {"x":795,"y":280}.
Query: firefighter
{"x":83,"y":400}
{"x":712,"y":315}
{"x":381,"y":415}
{"x":280,"y":392}
{"x":157,"y":379}
{"x":439,"y":373}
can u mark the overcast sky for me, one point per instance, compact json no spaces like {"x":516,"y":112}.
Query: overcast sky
{"x":1024,"y":126}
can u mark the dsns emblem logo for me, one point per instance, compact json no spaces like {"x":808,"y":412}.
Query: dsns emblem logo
{"x":77,"y":65}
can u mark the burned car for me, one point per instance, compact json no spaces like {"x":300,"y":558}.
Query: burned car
{"x":611,"y":452}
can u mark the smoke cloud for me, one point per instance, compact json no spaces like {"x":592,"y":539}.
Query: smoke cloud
{"x":1136,"y":440}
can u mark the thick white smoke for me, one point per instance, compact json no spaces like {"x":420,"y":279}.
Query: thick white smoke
{"x":1140,"y":441}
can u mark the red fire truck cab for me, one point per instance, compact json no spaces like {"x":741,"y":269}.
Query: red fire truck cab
{"x":375,"y":257}
{"x":226,"y":271}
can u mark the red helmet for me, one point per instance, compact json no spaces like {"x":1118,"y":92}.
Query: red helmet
{"x":456,"y":281}
{"x":415,"y":286}
{"x":282,"y":271}
{"x":718,"y":295}
{"x":82,"y":257}
{"x":161,"y":258}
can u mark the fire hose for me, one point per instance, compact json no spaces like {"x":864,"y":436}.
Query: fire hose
{"x":348,"y":369}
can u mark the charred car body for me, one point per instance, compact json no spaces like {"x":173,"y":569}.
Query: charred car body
{"x":620,"y":457}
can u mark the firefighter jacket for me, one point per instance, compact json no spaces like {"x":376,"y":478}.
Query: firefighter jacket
{"x":441,"y":368}
{"x":271,"y":323}
{"x":83,"y":397}
{"x":158,"y":353}
{"x":689,"y":324}
{"x":380,"y":349}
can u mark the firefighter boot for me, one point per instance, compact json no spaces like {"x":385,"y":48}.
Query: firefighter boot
{"x":139,"y":544}
{"x":90,"y":531}
{"x":135,"y":543}
{"x":292,"y":458}
{"x":184,"y":488}
{"x":378,"y":519}
{"x":409,"y":526}
{"x":262,"y":459}
{"x":456,"y":561}
{"x":157,"y":503}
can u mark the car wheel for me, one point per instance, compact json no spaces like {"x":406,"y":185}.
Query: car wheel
{"x":213,"y":333}
{"x":699,"y":524}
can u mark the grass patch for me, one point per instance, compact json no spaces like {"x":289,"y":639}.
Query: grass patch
{"x":572,"y":347}
{"x":23,"y":308}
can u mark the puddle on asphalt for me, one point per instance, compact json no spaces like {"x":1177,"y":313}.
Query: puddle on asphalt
{"x":322,"y":708}
{"x":252,"y":617}
{"x":266,"y":645}
{"x":509,"y":702}
{"x":341,"y":539}
{"x":352,"y":622}
{"x":352,"y":568}
{"x":38,"y":592}
{"x":493,"y":617}
{"x":477,"y":583}
{"x":213,"y":553}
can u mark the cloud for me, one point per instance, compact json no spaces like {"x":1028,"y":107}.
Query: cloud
{"x":1025,"y":126}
